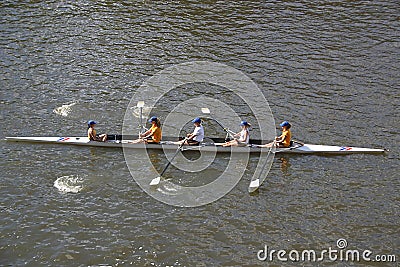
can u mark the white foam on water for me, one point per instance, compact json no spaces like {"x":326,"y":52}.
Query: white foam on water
{"x":69,"y":184}
{"x":64,"y":110}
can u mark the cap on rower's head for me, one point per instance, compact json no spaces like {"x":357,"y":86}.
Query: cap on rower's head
{"x":154,"y":118}
{"x":91,"y":122}
{"x":244,"y":123}
{"x":196,"y":120}
{"x":284,"y":123}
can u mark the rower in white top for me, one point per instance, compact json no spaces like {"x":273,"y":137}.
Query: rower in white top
{"x":197,"y":136}
{"x":241,"y":138}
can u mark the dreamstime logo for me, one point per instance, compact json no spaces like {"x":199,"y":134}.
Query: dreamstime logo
{"x":171,"y":95}
{"x":341,"y":243}
{"x":341,"y":253}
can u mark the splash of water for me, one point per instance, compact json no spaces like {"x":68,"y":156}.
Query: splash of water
{"x":69,"y":184}
{"x":64,"y":110}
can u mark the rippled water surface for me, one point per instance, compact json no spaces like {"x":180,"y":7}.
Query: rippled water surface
{"x":331,"y":68}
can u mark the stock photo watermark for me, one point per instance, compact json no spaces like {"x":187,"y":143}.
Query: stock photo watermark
{"x":339,"y":253}
{"x":183,"y":107}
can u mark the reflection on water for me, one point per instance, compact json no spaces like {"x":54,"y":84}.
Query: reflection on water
{"x":285,"y":165}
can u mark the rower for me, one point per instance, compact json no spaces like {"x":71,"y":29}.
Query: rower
{"x":92,"y":133}
{"x":241,"y":138}
{"x":151,"y":136}
{"x":284,"y":140}
{"x":197,"y":136}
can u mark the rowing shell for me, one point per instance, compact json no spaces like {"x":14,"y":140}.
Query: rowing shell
{"x":212,"y":147}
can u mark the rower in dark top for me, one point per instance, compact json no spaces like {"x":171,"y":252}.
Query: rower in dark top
{"x":92,"y":133}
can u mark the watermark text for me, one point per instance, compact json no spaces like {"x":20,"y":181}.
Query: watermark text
{"x":338,"y":253}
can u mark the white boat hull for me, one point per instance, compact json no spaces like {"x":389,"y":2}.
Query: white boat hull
{"x":211,"y":147}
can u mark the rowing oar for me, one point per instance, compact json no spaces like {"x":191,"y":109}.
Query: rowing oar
{"x":207,"y":111}
{"x":157,"y":180}
{"x":140,"y":105}
{"x":255,"y":184}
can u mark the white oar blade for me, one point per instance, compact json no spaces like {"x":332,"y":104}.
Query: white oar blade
{"x":205,"y":110}
{"x":254,"y":185}
{"x":155,"y":181}
{"x":140,"y":104}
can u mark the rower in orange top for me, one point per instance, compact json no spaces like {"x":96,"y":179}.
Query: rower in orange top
{"x":92,"y":133}
{"x":153,"y":135}
{"x":284,"y":139}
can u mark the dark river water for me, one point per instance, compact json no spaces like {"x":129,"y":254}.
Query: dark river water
{"x":329,"y":67}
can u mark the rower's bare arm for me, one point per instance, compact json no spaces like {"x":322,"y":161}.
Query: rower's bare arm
{"x":145,"y":133}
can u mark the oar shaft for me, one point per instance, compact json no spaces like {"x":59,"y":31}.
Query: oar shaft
{"x":255,"y":184}
{"x":141,"y":121}
{"x":223,"y":127}
{"x":173,"y":157}
{"x":266,"y":160}
{"x":166,"y":166}
{"x":208,"y":112}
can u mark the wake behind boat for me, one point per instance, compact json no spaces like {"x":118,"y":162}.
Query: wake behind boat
{"x":117,"y":141}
